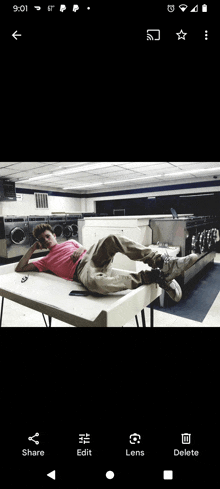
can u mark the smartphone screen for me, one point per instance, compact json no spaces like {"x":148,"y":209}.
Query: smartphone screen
{"x":107,"y":134}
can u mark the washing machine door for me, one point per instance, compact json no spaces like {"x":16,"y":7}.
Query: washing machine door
{"x":209,"y":239}
{"x":17,"y":235}
{"x":74,"y":230}
{"x":58,"y":230}
{"x":67,"y":232}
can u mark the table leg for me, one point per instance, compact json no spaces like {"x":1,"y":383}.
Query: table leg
{"x":162,"y":298}
{"x":44,"y":320}
{"x":136,"y":318}
{"x":50,"y":321}
{"x":1,"y":311}
{"x":151,"y":317}
{"x":143,"y":318}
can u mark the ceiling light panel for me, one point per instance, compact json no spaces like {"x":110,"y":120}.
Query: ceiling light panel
{"x":207,"y":170}
{"x":22,"y":167}
{"x":4,"y":172}
{"x":194,"y":166}
{"x":153,"y":169}
{"x":175,"y":177}
{"x":3,"y":164}
{"x":121,"y":173}
{"x":48,"y":167}
{"x":141,"y":164}
{"x":110,"y":169}
{"x":83,"y":168}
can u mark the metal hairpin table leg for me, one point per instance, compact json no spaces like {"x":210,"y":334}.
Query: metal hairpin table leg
{"x":1,"y":311}
{"x":151,"y":316}
{"x":49,"y":319}
{"x":143,"y":318}
{"x":136,"y":318}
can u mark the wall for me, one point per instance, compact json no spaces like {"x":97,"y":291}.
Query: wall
{"x":160,"y":201}
{"x":136,"y":201}
{"x":27,"y":207}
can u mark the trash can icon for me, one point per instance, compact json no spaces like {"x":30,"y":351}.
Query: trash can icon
{"x":186,"y":438}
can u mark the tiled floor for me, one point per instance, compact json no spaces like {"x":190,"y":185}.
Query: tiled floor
{"x":199,"y":307}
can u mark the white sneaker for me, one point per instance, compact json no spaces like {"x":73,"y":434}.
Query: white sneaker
{"x":172,"y":267}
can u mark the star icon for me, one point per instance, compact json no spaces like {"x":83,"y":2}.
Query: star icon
{"x":181,"y":35}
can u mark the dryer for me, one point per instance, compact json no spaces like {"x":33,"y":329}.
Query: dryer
{"x":71,"y":227}
{"x":58,"y":223}
{"x":14,"y":236}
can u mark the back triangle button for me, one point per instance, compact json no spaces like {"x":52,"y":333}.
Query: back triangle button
{"x":52,"y":474}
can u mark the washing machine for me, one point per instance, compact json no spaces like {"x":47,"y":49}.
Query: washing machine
{"x":33,"y":221}
{"x":71,"y":228}
{"x":14,"y":236}
{"x":58,"y":224}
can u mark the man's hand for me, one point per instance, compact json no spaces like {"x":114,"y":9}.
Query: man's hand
{"x":76,"y":254}
{"x":37,"y":246}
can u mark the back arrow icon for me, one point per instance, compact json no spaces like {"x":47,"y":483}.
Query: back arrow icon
{"x":15,"y":34}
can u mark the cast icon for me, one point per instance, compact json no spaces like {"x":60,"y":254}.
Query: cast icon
{"x":153,"y":35}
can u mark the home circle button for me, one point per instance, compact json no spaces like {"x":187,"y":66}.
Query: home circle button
{"x":110,"y":474}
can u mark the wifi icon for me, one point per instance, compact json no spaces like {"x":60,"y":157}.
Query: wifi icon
{"x":183,"y":7}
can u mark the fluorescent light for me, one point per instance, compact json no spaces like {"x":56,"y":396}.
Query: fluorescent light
{"x":176,"y":173}
{"x":83,"y":186}
{"x":206,"y":169}
{"x":35,"y":178}
{"x":195,"y":171}
{"x":190,"y":172}
{"x":132,"y":179}
{"x":195,"y":195}
{"x":79,"y":169}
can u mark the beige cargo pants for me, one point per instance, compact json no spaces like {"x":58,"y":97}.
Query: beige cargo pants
{"x":95,"y":269}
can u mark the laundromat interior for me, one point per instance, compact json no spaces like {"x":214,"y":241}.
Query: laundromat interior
{"x":173,"y":207}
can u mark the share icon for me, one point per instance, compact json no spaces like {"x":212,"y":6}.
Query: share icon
{"x":31,"y":438}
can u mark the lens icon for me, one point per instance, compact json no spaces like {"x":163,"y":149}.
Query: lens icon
{"x":170,"y":8}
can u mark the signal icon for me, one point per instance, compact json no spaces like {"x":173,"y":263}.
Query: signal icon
{"x":195,"y":9}
{"x":183,"y":7}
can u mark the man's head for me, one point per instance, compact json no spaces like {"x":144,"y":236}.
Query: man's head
{"x":44,"y":234}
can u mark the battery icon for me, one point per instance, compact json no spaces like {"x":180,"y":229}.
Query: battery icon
{"x":204,"y":8}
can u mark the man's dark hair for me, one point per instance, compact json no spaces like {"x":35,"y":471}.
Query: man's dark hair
{"x":40,"y":228}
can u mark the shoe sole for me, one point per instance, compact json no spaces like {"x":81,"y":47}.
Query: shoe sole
{"x":178,"y":290}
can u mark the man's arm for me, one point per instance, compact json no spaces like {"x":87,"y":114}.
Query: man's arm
{"x":77,"y":253}
{"x":23,"y":265}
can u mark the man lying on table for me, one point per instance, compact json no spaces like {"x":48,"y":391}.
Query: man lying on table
{"x":92,"y":268}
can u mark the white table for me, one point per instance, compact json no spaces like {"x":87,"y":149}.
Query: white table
{"x":49,"y":295}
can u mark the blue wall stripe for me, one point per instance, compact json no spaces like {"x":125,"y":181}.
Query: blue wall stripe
{"x":49,"y":192}
{"x":162,"y":188}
